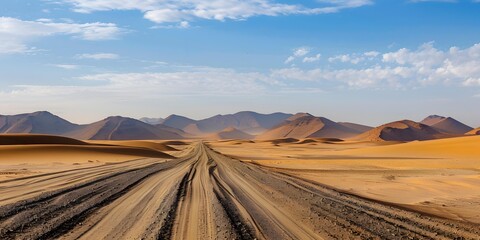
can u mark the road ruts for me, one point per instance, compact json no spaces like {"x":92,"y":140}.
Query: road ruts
{"x":201,"y":195}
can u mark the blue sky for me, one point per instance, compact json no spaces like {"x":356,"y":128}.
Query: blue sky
{"x":350,"y":60}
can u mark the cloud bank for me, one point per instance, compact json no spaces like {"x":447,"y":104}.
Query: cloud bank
{"x":15,"y":34}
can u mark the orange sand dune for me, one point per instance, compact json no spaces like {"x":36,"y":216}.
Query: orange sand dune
{"x":475,"y":131}
{"x":19,"y":139}
{"x":308,"y":126}
{"x":446,"y":125}
{"x":404,"y":130}
{"x":136,"y":143}
{"x":27,"y":154}
{"x":13,"y":154}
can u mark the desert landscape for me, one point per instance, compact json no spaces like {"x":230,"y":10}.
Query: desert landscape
{"x":239,"y":176}
{"x":239,"y":119}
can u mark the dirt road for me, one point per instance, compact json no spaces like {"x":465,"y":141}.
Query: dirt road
{"x":201,"y":195}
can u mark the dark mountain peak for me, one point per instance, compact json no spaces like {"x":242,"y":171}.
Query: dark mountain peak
{"x":299,"y":115}
{"x":42,"y":113}
{"x":435,"y":116}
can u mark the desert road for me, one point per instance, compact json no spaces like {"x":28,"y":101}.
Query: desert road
{"x":201,"y":195}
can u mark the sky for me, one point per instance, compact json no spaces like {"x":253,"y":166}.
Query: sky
{"x":364,"y":61}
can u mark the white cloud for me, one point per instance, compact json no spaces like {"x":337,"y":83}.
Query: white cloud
{"x":403,"y":68}
{"x":426,"y":55}
{"x":312,"y":59}
{"x":289,"y":59}
{"x":165,"y":11}
{"x":203,"y":81}
{"x":371,"y":54}
{"x":98,"y":56}
{"x":15,"y":34}
{"x":66,"y":66}
{"x":180,"y":25}
{"x":298,"y":52}
{"x":472,"y":82}
{"x":347,"y":58}
{"x":184,"y":24}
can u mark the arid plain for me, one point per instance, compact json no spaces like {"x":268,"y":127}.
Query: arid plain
{"x":254,"y":177}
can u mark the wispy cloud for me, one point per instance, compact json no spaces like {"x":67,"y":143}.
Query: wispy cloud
{"x":180,"y":25}
{"x":312,"y":59}
{"x":347,"y":58}
{"x":168,"y":11}
{"x":66,"y":66}
{"x":400,"y":69}
{"x":98,"y":56}
{"x":15,"y":34}
{"x":297,"y":53}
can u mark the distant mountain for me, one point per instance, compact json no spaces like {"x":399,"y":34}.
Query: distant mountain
{"x":475,"y":131}
{"x":241,"y":125}
{"x":404,"y":130}
{"x":121,"y":128}
{"x":357,"y":127}
{"x":308,"y":126}
{"x":299,"y":115}
{"x":247,"y":121}
{"x":112,"y":128}
{"x":37,"y":122}
{"x":446,"y":124}
{"x":152,"y":121}
{"x":230,"y":133}
{"x":177,"y":121}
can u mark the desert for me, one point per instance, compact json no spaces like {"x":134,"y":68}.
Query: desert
{"x":239,"y":119}
{"x":122,"y":181}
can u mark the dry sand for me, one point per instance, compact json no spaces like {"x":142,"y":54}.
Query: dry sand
{"x":204,"y":194}
{"x":26,"y":154}
{"x":440,"y":177}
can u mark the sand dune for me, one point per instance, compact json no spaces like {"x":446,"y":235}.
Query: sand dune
{"x":35,"y":154}
{"x":299,"y":115}
{"x":282,"y":140}
{"x":28,"y":139}
{"x":308,"y":126}
{"x":229,"y":133}
{"x":158,"y":146}
{"x":446,"y":124}
{"x":404,"y":130}
{"x":475,"y":131}
{"x":27,"y":148}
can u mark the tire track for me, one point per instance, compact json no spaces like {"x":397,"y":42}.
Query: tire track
{"x":57,"y":213}
{"x":203,"y":195}
{"x":337,"y":215}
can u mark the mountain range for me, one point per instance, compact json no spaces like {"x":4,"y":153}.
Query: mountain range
{"x":241,"y":125}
